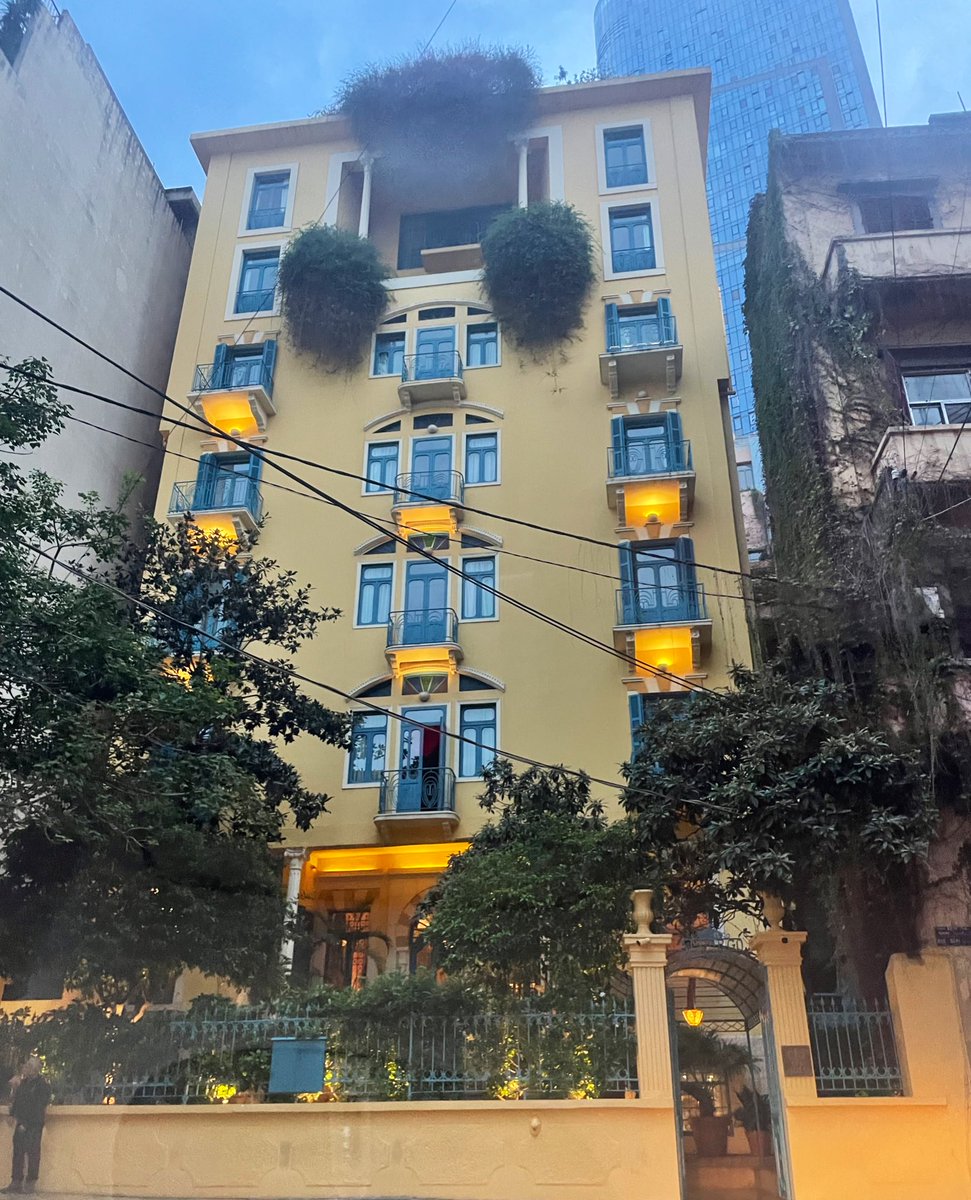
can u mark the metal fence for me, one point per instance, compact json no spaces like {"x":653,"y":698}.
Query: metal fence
{"x":542,"y":1055}
{"x":853,"y":1045}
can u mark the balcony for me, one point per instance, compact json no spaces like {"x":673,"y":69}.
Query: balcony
{"x":431,"y":375}
{"x":428,"y":501}
{"x":665,"y":627}
{"x":642,"y":351}
{"x":423,"y":641}
{"x":905,"y":255}
{"x":924,"y":452}
{"x":236,"y":394}
{"x":219,"y":500}
{"x":416,"y":804}
{"x":650,"y":483}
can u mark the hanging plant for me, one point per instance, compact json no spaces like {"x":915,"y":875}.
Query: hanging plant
{"x":538,"y":272}
{"x":459,"y":106}
{"x":332,"y":294}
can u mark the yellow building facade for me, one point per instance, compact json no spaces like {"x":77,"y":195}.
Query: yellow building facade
{"x":619,"y":435}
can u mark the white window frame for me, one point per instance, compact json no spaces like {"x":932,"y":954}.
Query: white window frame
{"x":346,"y":784}
{"x":377,"y":561}
{"x":364,"y":466}
{"x":251,"y":175}
{"x":248,"y":247}
{"x":465,"y":325}
{"x":606,"y":207}
{"x":484,"y":552}
{"x":459,"y":705}
{"x":645,"y":127}
{"x":477,"y":431}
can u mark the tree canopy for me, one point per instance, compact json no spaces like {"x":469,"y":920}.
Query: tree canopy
{"x":140,"y":790}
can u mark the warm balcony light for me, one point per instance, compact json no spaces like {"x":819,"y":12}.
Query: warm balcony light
{"x":657,"y":502}
{"x":693,"y":1016}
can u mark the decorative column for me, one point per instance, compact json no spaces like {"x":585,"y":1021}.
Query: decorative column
{"x":780,"y":952}
{"x":522,"y":145}
{"x":295,"y":860}
{"x":647,"y":954}
{"x":364,"y":225}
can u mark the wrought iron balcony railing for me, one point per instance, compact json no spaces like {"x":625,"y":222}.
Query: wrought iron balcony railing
{"x":662,"y":604}
{"x":266,"y":218}
{"x":419,"y":487}
{"x":639,"y":258}
{"x":648,"y":458}
{"x":431,"y":364}
{"x":417,"y":790}
{"x":218,"y":491}
{"x":631,"y":334}
{"x":423,"y":627}
{"x":250,"y":372}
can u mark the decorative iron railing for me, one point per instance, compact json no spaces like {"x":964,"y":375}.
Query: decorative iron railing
{"x":662,"y":604}
{"x":417,"y":790}
{"x":854,"y":1048}
{"x":254,"y":300}
{"x":170,"y":1059}
{"x":266,"y":218}
{"x":640,"y":258}
{"x":431,"y":364}
{"x":629,"y":334}
{"x":423,"y":627}
{"x":218,"y":491}
{"x":418,"y":487}
{"x":250,"y":372}
{"x":648,"y":458}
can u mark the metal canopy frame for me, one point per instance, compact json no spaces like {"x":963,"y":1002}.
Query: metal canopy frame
{"x":730,"y":985}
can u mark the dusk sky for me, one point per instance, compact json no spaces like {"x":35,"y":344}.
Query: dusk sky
{"x":190,"y":65}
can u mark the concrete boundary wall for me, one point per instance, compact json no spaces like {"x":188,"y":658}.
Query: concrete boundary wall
{"x":462,"y":1150}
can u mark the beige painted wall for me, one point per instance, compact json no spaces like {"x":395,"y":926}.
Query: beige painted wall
{"x":493,"y":1150}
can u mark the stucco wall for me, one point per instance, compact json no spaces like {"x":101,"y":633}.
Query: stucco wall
{"x":611,"y":1150}
{"x":89,"y":237}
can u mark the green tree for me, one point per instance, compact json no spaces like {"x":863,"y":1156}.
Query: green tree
{"x":786,"y":787}
{"x":543,"y":892}
{"x":141,"y":787}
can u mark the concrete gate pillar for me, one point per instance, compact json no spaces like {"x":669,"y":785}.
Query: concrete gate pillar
{"x":647,"y":954}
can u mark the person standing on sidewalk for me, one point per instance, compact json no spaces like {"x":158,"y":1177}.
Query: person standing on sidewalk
{"x":28,"y":1108}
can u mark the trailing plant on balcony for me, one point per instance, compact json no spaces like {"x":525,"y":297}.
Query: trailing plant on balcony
{"x":457,"y":107}
{"x":332,"y":294}
{"x":538,"y":272}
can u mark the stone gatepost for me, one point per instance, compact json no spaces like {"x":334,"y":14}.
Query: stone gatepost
{"x":647,"y":954}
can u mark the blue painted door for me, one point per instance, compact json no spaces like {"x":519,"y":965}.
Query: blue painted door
{"x":422,"y":761}
{"x":431,"y":465}
{"x":647,"y":449}
{"x":426,"y":603}
{"x":435,"y":353}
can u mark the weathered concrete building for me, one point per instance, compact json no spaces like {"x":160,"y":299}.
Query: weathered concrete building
{"x":89,"y":236}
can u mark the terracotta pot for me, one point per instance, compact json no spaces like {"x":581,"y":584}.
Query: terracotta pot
{"x":759,"y":1142}
{"x":711,"y":1136}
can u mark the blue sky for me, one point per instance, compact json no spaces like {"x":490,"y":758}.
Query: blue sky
{"x":189,"y":65}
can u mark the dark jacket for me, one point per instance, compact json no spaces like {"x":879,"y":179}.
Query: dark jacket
{"x":30,"y":1101}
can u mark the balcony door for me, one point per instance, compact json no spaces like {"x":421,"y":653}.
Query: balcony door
{"x":431,"y":465}
{"x":420,"y":785}
{"x":226,"y":480}
{"x":661,"y":582}
{"x":435,"y":353}
{"x":426,"y":603}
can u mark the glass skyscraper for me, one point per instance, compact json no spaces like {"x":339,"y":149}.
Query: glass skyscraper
{"x":793,"y":65}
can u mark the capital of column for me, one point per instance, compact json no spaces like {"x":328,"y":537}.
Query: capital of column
{"x":778,"y":947}
{"x":295,"y":856}
{"x":648,"y":949}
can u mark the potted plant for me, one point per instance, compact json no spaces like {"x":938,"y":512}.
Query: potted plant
{"x":704,"y":1060}
{"x":755,"y":1117}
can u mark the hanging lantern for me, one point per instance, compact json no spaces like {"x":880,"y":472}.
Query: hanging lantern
{"x":693,"y":1015}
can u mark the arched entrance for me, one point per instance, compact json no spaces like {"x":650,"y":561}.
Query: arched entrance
{"x":721,"y":1045}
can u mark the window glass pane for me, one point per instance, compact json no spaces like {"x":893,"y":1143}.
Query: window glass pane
{"x":625,"y":157}
{"x":478,"y":724}
{"x":389,"y":353}
{"x":382,"y":466}
{"x":632,"y":239}
{"x":478,"y":604}
{"x":482,"y":458}
{"x":374,"y":599}
{"x":268,"y":204}
{"x":482,"y":345}
{"x":951,"y":385}
{"x":257,"y":281}
{"x":369,"y":746}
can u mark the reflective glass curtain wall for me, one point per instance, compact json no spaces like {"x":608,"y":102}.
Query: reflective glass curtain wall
{"x":793,"y":65}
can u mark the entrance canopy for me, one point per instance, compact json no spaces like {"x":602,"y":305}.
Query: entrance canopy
{"x":729,"y":985}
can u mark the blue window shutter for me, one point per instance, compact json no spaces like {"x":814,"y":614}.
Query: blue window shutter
{"x":255,"y":467}
{"x":269,"y":364}
{"x":665,"y":319}
{"x":612,"y":326}
{"x":219,"y":365}
{"x":628,"y":601}
{"x":206,"y":481}
{"x":618,"y":457}
{"x":686,"y":556}
{"x":675,"y":433}
{"x":635,"y":702}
